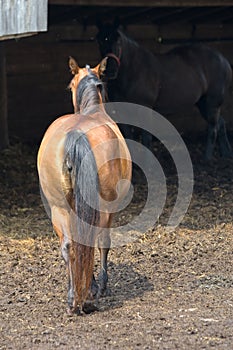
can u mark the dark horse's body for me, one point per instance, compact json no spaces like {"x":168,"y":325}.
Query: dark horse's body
{"x":185,"y":76}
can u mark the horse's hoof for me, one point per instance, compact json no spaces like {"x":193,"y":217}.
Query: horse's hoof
{"x":71,"y":311}
{"x":89,"y":308}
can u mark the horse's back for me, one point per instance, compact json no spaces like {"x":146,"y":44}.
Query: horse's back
{"x":199,"y":56}
{"x":189,"y":72}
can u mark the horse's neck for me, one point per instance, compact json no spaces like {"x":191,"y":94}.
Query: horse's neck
{"x":91,"y":104}
{"x":132,"y":52}
{"x":138,"y":65}
{"x":136,"y":58}
{"x":129,"y":51}
{"x":92,"y":108}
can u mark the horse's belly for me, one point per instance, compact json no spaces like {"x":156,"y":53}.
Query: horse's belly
{"x":179,"y":91}
{"x":174,"y":100}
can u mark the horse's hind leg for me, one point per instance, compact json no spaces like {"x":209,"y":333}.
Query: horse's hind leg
{"x":94,"y":289}
{"x":224,"y":145}
{"x":65,"y":246}
{"x":211,"y":140}
{"x":210,"y":107}
{"x":104,"y":243}
{"x":217,"y":131}
{"x":61,"y":227}
{"x":211,"y":114}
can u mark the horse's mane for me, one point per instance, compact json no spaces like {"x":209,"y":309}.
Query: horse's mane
{"x":126,"y":39}
{"x":88,"y":93}
{"x":130,"y":47}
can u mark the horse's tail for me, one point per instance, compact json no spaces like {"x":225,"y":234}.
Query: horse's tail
{"x":81,"y":169}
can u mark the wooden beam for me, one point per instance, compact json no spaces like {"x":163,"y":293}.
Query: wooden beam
{"x":4,"y":140}
{"x":148,"y":3}
{"x":16,"y":36}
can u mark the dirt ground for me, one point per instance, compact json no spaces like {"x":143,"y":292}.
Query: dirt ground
{"x":167,"y":290}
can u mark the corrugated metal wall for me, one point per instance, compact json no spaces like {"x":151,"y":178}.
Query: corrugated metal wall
{"x":22,"y":17}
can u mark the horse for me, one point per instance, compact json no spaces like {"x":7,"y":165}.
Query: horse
{"x":186,"y":76}
{"x":84,"y":168}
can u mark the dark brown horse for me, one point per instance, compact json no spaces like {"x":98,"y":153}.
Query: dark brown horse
{"x":185,"y":76}
{"x":81,"y":160}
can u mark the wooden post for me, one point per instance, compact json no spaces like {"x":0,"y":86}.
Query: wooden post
{"x":4,"y":139}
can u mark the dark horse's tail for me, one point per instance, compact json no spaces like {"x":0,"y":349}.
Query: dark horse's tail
{"x":81,"y":170}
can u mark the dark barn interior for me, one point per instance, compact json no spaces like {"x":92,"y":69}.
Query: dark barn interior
{"x":37,"y":70}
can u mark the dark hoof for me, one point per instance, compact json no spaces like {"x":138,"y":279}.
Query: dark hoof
{"x":88,"y":308}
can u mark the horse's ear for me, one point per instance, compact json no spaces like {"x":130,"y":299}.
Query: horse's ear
{"x":116,"y":23}
{"x":99,"y":24}
{"x":101,"y":68}
{"x":74,"y":68}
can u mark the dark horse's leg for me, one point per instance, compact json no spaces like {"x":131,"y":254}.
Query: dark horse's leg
{"x":126,"y":131}
{"x":224,"y":145}
{"x":147,"y":139}
{"x":211,"y":140}
{"x":216,"y":126}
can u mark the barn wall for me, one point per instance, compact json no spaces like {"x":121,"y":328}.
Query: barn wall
{"x":38,"y":76}
{"x":38,"y":73}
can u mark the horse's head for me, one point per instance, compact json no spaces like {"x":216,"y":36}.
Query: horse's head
{"x":80,"y":73}
{"x":109,"y":41}
{"x":107,"y":37}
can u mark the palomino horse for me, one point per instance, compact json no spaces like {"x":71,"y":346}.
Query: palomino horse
{"x":83,"y":161}
{"x":185,"y":76}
